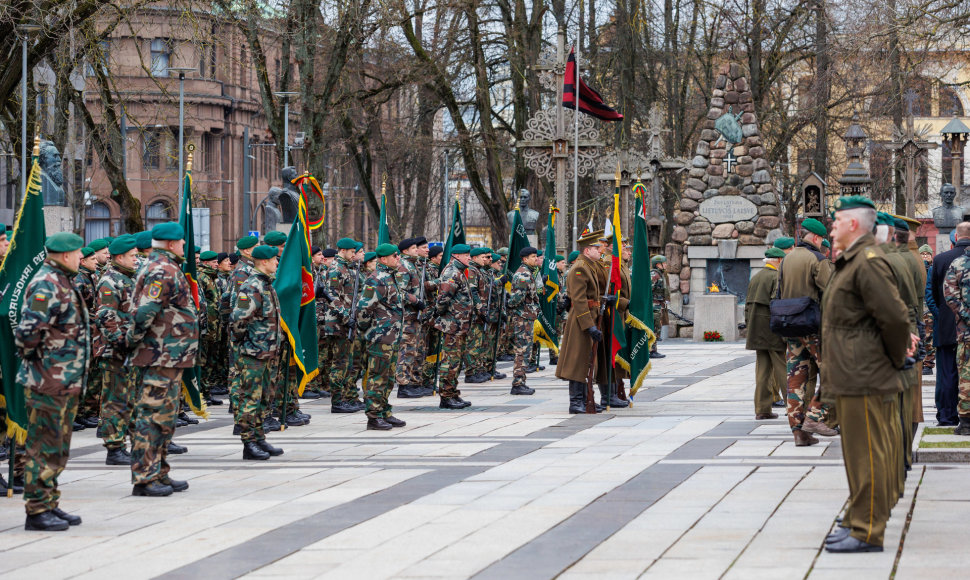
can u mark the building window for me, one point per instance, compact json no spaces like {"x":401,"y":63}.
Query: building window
{"x":99,"y":57}
{"x":161,"y":55}
{"x":881,"y":171}
{"x":152,"y":152}
{"x":157,"y":213}
{"x":97,"y":222}
{"x":210,"y":152}
{"x":950,"y":105}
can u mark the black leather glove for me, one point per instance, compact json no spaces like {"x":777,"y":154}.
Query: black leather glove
{"x":568,"y":303}
{"x":594,"y":333}
{"x":610,"y":299}
{"x":503,"y":279}
{"x":419,"y":305}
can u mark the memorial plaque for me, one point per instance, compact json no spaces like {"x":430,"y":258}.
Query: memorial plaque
{"x":728,"y":208}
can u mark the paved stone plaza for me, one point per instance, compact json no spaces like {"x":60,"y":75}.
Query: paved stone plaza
{"x":684,"y":485}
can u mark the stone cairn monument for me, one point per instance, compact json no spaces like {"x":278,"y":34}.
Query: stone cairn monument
{"x":729,"y":209}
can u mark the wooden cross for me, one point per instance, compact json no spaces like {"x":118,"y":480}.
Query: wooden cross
{"x":910,"y":144}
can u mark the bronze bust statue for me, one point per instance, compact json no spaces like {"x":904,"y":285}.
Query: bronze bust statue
{"x":52,"y":174}
{"x":529,"y":215}
{"x":948,"y":215}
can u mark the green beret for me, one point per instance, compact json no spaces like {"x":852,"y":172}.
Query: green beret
{"x":884,"y":219}
{"x":265,"y":252}
{"x":208,"y":255}
{"x":360,"y":246}
{"x":774,"y":253}
{"x":143,"y":240}
{"x":168,"y":231}
{"x":826,"y":244}
{"x":98,"y":245}
{"x":560,"y":258}
{"x":122,"y":244}
{"x":503,"y":252}
{"x":478,"y":251}
{"x":274,"y":239}
{"x":460,"y":249}
{"x":925,"y":249}
{"x":86,"y":252}
{"x":64,"y":242}
{"x":496,"y":257}
{"x":814,"y":226}
{"x":369,"y":256}
{"x":247,"y":242}
{"x":900,"y":224}
{"x":784,"y":243}
{"x":385,"y":250}
{"x":573,"y":255}
{"x":853,"y":202}
{"x":346,"y":244}
{"x":657,"y":260}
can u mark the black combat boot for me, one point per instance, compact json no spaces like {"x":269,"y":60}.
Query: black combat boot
{"x":175,"y":484}
{"x":71,"y":520}
{"x":252,"y":451}
{"x":45,"y":522}
{"x":498,"y":376}
{"x":153,"y":489}
{"x":175,"y":449}
{"x":612,"y":398}
{"x":964,"y":427}
{"x":656,"y":354}
{"x":378,"y":424}
{"x":577,"y":397}
{"x":295,"y":421}
{"x":451,"y":403}
{"x":117,"y":457}
{"x":265,"y":446}
{"x":521,"y":390}
{"x":409,"y":392}
{"x":394,"y":421}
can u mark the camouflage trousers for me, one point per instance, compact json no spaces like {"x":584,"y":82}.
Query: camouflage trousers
{"x":963,"y":386}
{"x":505,"y":345}
{"x":522,"y":339}
{"x":358,"y":368}
{"x":410,"y":359}
{"x":49,"y":429}
{"x":117,"y":401}
{"x":491,"y":335}
{"x":211,"y":367}
{"x":929,"y":361}
{"x":157,"y":396}
{"x":452,"y":351}
{"x":433,"y":345}
{"x":90,"y":404}
{"x":475,"y":349}
{"x":325,"y":360}
{"x":284,"y":387}
{"x":381,"y":362}
{"x":252,"y":396}
{"x":343,"y":378}
{"x":802,"y":360}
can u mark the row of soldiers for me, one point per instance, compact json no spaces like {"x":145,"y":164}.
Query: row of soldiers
{"x":850,"y":317}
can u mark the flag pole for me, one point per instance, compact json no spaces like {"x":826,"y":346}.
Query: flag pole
{"x":579,"y":29}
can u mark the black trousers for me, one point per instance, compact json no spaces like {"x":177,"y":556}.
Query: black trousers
{"x":947,"y":379}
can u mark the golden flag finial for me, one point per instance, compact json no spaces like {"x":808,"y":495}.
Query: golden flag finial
{"x":383,"y":184}
{"x":457,"y":189}
{"x":619,"y":175}
{"x":36,"y":151}
{"x":188,"y":162}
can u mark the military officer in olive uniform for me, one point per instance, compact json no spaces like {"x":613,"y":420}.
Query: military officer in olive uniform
{"x":455,"y":308}
{"x":54,"y":345}
{"x":164,"y":341}
{"x":770,"y":372}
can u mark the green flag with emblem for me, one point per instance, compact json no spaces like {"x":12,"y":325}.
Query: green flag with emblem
{"x":191,"y":377}
{"x":518,"y":241}
{"x":383,"y":237}
{"x":639,"y":336}
{"x":455,"y":236}
{"x":546,"y":329}
{"x":25,"y":255}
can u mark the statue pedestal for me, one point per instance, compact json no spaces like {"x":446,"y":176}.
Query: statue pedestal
{"x":943,"y":242}
{"x":716,"y":312}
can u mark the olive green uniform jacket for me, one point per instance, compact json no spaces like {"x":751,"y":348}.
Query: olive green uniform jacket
{"x":757,"y":312}
{"x":575,"y":350}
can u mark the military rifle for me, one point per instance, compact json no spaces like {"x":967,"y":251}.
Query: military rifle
{"x":353,"y":304}
{"x":421,"y":294}
{"x":320,"y":289}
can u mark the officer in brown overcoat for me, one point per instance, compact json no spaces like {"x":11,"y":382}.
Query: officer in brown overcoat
{"x":585,"y":290}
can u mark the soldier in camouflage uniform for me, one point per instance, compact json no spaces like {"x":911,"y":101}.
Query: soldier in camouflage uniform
{"x":164,"y":341}
{"x":224,"y":268}
{"x":256,"y":339}
{"x":432,"y":337}
{"x":54,"y":343}
{"x":506,"y":350}
{"x":956,"y":291}
{"x":454,"y":308}
{"x":661,"y":297}
{"x":341,"y":281}
{"x":85,"y":282}
{"x":524,"y":310}
{"x":320,"y":386}
{"x":497,"y":314}
{"x":929,"y":360}
{"x":479,"y":282}
{"x":213,"y":338}
{"x":242,"y":272}
{"x":382,"y":310}
{"x":411,"y":357}
{"x":113,"y":318}
{"x":358,"y":368}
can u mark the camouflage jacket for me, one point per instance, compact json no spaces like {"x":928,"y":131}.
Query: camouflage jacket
{"x":320,"y":274}
{"x":381,"y":307}
{"x":956,"y":291}
{"x":479,"y":281}
{"x":222,"y":281}
{"x":165,"y":327}
{"x":408,"y":277}
{"x":255,"y":320}
{"x":244,"y":270}
{"x":661,"y":294}
{"x":86,"y":282}
{"x":113,"y":314}
{"x":340,"y":281}
{"x":209,"y":293}
{"x":524,"y":299}
{"x":53,"y":335}
{"x":455,"y":303}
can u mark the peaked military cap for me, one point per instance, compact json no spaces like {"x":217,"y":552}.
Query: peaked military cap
{"x":913,"y":224}
{"x":122,"y":244}
{"x":369,"y":256}
{"x":98,"y":245}
{"x":385,"y":250}
{"x":168,"y":231}
{"x":853,"y":202}
{"x":265,"y":252}
{"x":434,"y":251}
{"x":479,"y":251}
{"x":208,"y":255}
{"x":246,"y":242}
{"x":329,"y":253}
{"x":774,"y":253}
{"x":64,"y":242}
{"x":590,"y":239}
{"x":143,"y":240}
{"x":274,"y":239}
{"x":814,"y":226}
{"x":460,"y":249}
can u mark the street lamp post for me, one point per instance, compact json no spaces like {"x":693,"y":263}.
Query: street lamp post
{"x":25,"y":30}
{"x":285,"y":95}
{"x":181,"y":70}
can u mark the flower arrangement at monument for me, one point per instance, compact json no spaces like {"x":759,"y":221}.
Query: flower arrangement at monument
{"x":713,"y":336}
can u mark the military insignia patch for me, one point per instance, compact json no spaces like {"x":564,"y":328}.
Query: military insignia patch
{"x":369,"y":292}
{"x":870,"y":254}
{"x":39,"y":303}
{"x":155,"y":290}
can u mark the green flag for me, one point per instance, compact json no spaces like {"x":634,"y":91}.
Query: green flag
{"x":294,"y":287}
{"x":639,"y":336}
{"x":455,"y":236}
{"x":192,"y":377}
{"x":24,"y":257}
{"x":518,"y":241}
{"x":382,"y":236}
{"x":546,"y":329}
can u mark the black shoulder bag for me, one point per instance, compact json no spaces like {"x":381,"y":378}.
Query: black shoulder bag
{"x":794,"y":317}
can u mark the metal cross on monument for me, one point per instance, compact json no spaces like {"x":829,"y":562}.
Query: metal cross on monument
{"x":548,"y":141}
{"x":910,"y":142}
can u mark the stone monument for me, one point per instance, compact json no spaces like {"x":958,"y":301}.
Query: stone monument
{"x":529,"y":216}
{"x":946,"y":217}
{"x":58,"y":217}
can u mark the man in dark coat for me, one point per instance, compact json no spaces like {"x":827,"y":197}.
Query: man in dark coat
{"x":945,"y":331}
{"x":770,"y":370}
